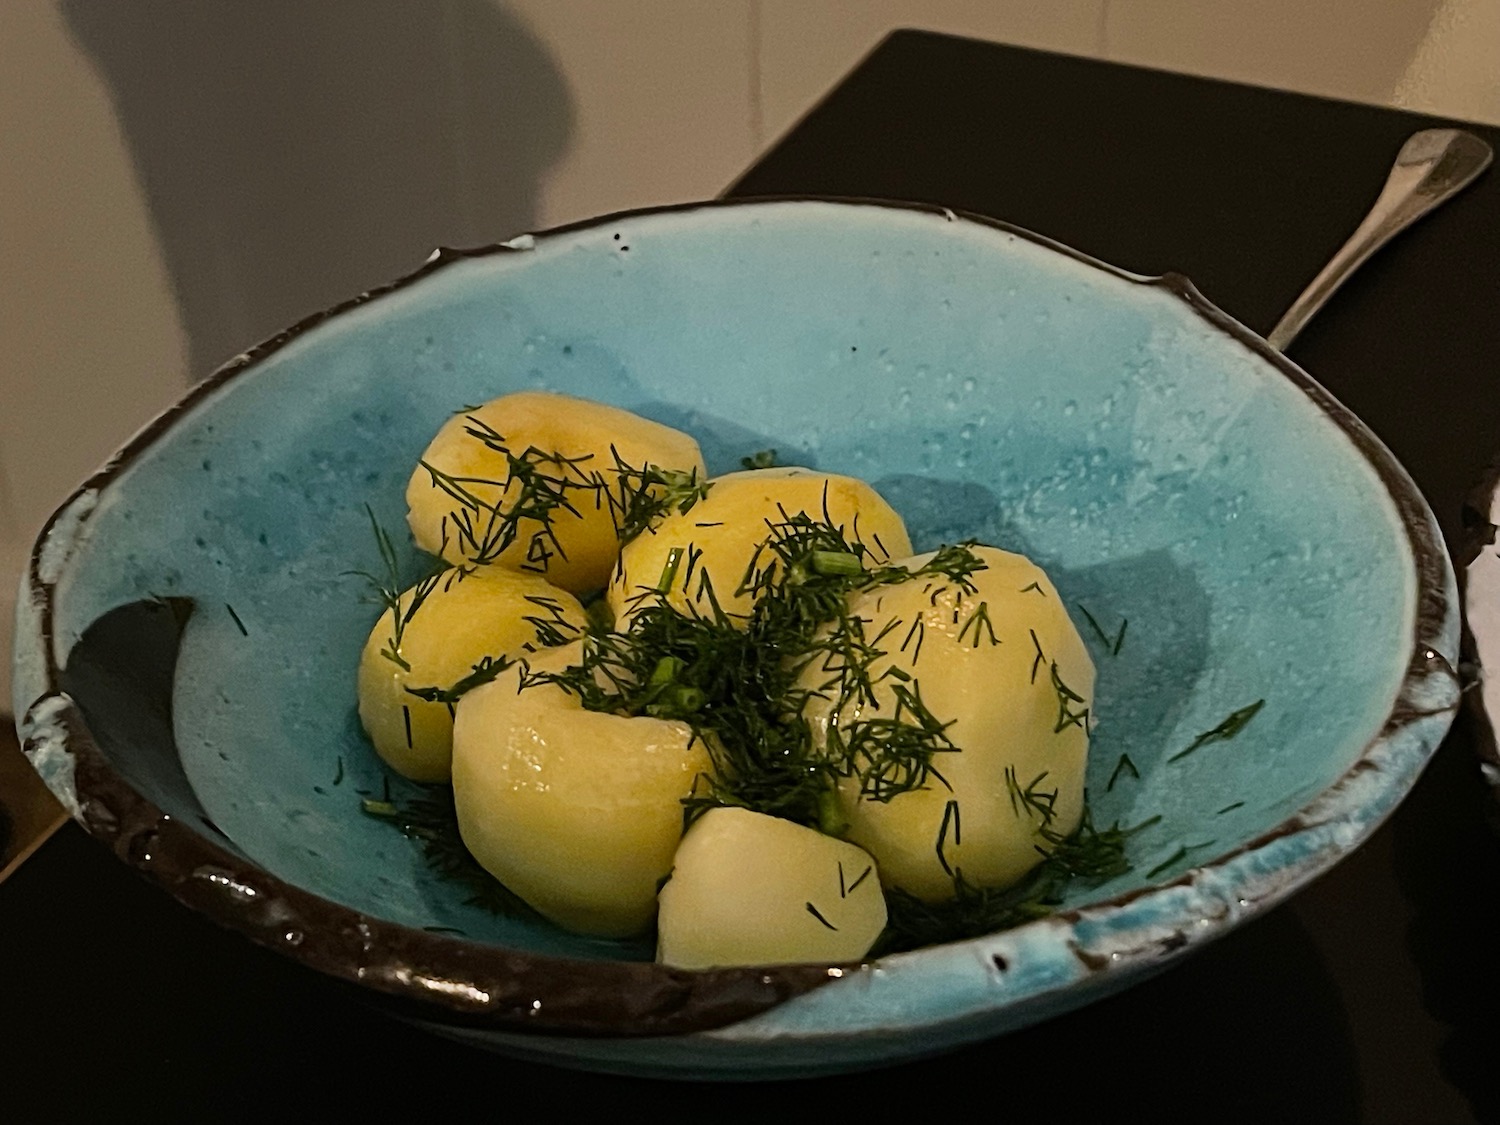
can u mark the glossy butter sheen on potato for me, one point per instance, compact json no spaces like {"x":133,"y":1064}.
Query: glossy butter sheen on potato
{"x":721,"y":534}
{"x":576,"y":811}
{"x":577,"y":441}
{"x":1006,"y":666}
{"x":463,"y":617}
{"x":752,"y":889}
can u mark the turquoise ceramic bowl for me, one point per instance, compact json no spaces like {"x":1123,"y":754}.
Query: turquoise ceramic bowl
{"x":1164,"y":464}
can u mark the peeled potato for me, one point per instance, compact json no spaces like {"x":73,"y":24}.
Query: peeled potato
{"x":720,"y":535}
{"x":462,"y":618}
{"x":1007,"y":666}
{"x":576,"y":811}
{"x":751,"y":889}
{"x":573,"y":444}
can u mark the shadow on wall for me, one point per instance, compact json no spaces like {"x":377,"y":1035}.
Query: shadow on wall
{"x":294,"y":154}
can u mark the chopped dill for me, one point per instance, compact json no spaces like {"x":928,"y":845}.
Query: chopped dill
{"x":737,"y":680}
{"x":492,"y":513}
{"x":646,"y":494}
{"x":950,"y":819}
{"x":1067,"y":716}
{"x":485,"y":671}
{"x":762,"y":459}
{"x":1089,"y":854}
{"x":1124,"y":765}
{"x":240,"y":624}
{"x":744,"y":683}
{"x":431,"y":819}
{"x":1177,"y":857}
{"x":521,"y":504}
{"x":1031,"y":801}
{"x":1230,"y":808}
{"x":980,"y":622}
{"x":919,"y":631}
{"x":1236,"y":722}
{"x":893,"y":755}
{"x":388,"y":592}
{"x":554,"y":628}
{"x":818,"y":914}
{"x":1111,"y":644}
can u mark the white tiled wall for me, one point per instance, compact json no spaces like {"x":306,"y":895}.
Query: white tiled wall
{"x":661,"y":100}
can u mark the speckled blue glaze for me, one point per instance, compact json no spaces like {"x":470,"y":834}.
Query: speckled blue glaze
{"x":1164,"y":470}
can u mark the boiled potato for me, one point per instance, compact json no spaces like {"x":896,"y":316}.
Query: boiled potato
{"x":1005,"y":664}
{"x":462,"y":618}
{"x":720,"y":535}
{"x":751,"y":889}
{"x":578,"y":812}
{"x":573,"y":446}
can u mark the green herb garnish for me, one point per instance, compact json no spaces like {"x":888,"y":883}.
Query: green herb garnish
{"x":1111,"y":644}
{"x":737,"y":680}
{"x":1124,"y":765}
{"x":432,"y":820}
{"x":646,"y":494}
{"x":1177,"y":857}
{"x":1088,"y":854}
{"x":1226,"y":730}
{"x":1031,"y":800}
{"x":388,"y":592}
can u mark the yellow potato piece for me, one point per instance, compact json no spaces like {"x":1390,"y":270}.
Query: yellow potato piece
{"x":720,"y":535}
{"x":751,"y":889}
{"x":571,"y":445}
{"x":1005,"y":664}
{"x":576,"y":811}
{"x":462,"y":618}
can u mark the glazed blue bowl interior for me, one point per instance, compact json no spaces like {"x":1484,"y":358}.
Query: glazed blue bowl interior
{"x":1164,"y":472}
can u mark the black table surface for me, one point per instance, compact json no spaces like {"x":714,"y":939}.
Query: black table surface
{"x":1371,"y":996}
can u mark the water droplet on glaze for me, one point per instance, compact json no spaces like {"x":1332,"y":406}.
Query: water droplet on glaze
{"x":221,"y":877}
{"x":1070,"y":408}
{"x":142,"y":847}
{"x":969,"y":384}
